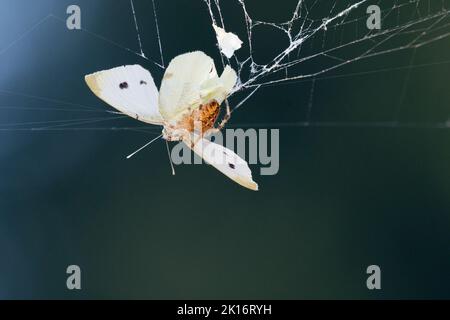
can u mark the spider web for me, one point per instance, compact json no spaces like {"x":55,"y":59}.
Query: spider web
{"x":316,"y":39}
{"x":323,"y":36}
{"x":319,"y":38}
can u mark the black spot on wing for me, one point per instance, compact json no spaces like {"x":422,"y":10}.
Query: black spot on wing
{"x":123,"y":85}
{"x":232,"y":166}
{"x":143,"y":82}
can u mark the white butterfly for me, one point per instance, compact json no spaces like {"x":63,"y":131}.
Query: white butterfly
{"x":191,"y":93}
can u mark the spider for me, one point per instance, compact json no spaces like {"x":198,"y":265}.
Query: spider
{"x":203,"y":118}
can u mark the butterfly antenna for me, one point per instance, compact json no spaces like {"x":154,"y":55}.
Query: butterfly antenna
{"x":170,"y":158}
{"x":143,"y":147}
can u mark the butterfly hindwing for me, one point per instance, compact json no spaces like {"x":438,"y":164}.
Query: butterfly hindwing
{"x":226,"y":161}
{"x":129,"y":89}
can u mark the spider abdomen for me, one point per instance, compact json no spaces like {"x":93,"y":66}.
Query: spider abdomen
{"x":205,"y":116}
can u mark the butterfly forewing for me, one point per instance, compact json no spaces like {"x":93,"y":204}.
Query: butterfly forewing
{"x":129,"y":89}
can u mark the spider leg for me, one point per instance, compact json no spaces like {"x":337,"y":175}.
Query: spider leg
{"x":226,"y":118}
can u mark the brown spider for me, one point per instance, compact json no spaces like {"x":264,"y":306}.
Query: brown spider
{"x":200,"y":121}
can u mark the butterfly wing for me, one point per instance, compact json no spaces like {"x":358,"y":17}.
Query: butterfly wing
{"x":228,"y":42}
{"x":226,"y":161}
{"x":219,"y":88}
{"x":191,"y":80}
{"x":129,"y":89}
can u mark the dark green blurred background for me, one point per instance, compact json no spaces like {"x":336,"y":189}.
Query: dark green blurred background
{"x":346,"y":196}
